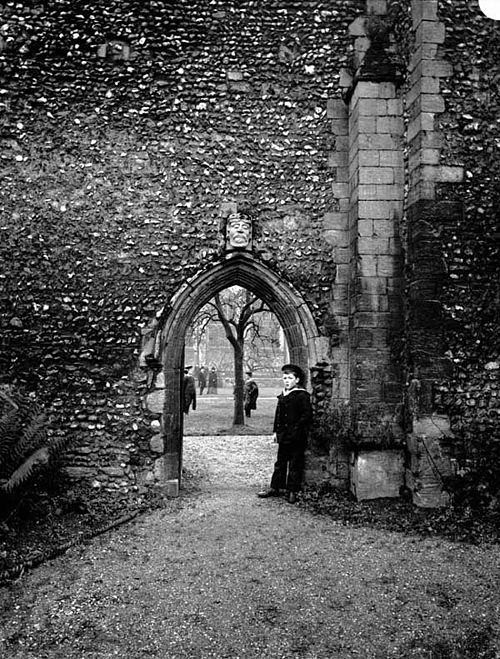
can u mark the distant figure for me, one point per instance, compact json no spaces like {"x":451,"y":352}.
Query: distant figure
{"x":212,"y":381}
{"x":202,"y":379}
{"x":189,"y":391}
{"x":250,"y":394}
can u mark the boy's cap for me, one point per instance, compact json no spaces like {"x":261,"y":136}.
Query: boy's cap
{"x":296,"y":370}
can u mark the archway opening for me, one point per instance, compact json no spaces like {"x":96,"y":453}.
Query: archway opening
{"x":305,"y":346}
{"x":234,"y":350}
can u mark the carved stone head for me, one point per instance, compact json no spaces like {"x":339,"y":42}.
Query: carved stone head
{"x":238,"y":231}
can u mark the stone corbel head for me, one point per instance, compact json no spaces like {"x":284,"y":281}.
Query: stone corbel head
{"x":238,"y":231}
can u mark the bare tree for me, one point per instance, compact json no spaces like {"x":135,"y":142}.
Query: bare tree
{"x":264,"y":343}
{"x":238,"y":311}
{"x":198,"y":331}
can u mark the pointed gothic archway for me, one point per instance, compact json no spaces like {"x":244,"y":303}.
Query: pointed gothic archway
{"x":306,"y":347}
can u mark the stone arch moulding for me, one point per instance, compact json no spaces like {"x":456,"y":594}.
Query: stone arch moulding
{"x":306,"y":346}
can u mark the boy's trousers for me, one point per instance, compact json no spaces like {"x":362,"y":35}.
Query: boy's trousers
{"x":288,"y":468}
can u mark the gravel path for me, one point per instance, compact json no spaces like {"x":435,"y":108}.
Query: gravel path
{"x":221,"y":573}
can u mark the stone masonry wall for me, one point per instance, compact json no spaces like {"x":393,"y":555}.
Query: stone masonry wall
{"x":125,"y":128}
{"x":470,"y":246}
{"x":425,"y":271}
{"x":376,"y":182}
{"x":452,"y":103}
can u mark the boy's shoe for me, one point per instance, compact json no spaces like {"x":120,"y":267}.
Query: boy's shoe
{"x":271,"y":492}
{"x":292,"y":497}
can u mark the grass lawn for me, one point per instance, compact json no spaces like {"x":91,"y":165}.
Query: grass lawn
{"x":214,"y":415}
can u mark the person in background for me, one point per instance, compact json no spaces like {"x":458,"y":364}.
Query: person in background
{"x":292,"y":422}
{"x":189,"y":391}
{"x":202,"y":379}
{"x":250,"y":394}
{"x":212,"y":381}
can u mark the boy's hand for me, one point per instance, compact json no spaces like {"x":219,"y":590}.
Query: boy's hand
{"x":275,"y":438}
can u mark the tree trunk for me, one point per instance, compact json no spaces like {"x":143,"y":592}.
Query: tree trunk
{"x":238,"y":417}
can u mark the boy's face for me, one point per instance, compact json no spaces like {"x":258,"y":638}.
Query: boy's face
{"x":290,"y":381}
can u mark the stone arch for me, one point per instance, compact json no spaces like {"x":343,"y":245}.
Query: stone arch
{"x":306,"y":347}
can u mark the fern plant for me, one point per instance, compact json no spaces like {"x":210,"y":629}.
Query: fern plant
{"x":25,"y":448}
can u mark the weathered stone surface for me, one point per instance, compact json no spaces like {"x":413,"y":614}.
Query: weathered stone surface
{"x":113,"y":472}
{"x":376,"y":474}
{"x":78,"y":473}
{"x":429,"y":464}
{"x":316,"y":469}
{"x":157,"y":444}
{"x":433,"y":426}
{"x":165,"y":468}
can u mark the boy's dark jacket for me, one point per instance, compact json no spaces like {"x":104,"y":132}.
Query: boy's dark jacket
{"x":293,"y":417}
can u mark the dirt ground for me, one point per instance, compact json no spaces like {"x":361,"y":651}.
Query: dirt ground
{"x":220,"y":573}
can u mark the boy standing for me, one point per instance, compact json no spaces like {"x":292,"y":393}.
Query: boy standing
{"x":292,"y":421}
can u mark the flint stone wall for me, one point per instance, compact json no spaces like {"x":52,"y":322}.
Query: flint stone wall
{"x":118,"y":154}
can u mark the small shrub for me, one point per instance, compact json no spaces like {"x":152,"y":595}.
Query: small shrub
{"x":477,"y":481}
{"x":332,"y":425}
{"x":25,"y":448}
{"x":365,"y":427}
